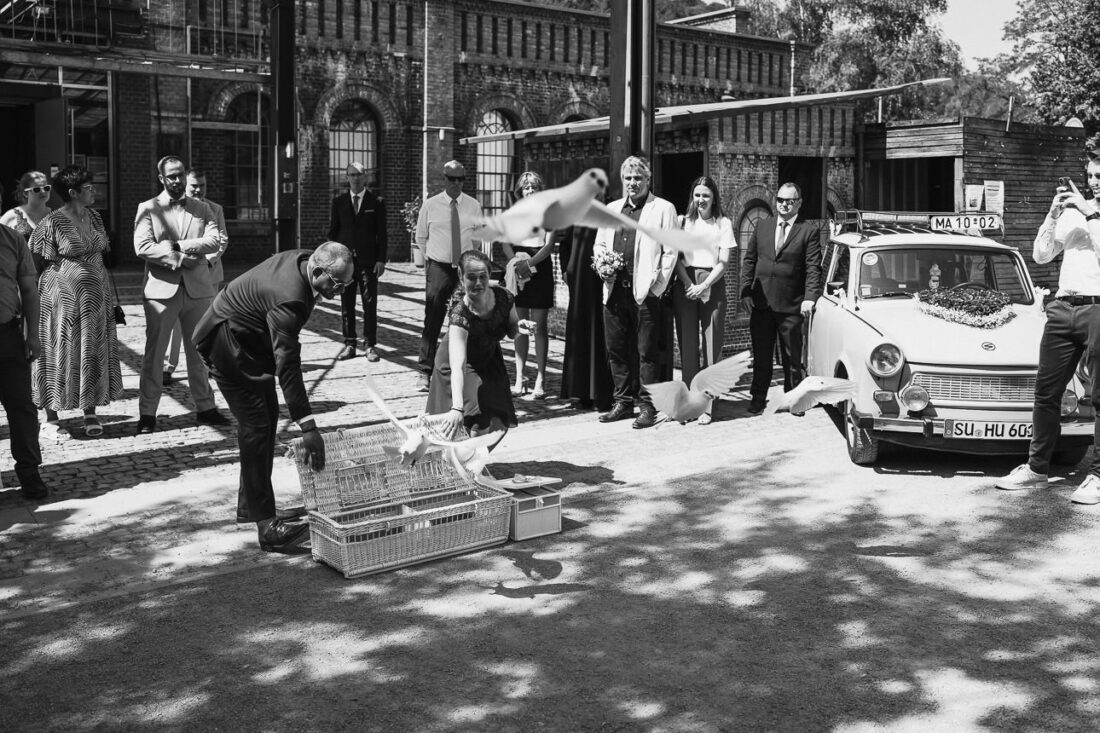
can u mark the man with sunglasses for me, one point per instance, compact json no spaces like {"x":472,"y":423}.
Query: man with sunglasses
{"x":249,"y":339}
{"x":442,"y":233}
{"x":780,"y":283}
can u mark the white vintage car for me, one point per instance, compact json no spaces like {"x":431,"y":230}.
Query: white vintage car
{"x":922,"y":380}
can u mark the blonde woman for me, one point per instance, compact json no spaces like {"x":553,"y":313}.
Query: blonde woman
{"x":33,"y":192}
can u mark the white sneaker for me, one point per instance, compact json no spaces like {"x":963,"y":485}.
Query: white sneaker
{"x":1022,"y":477}
{"x":1088,"y":492}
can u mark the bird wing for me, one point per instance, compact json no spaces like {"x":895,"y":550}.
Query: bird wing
{"x":600,"y":217}
{"x":554,"y":208}
{"x":722,"y":376}
{"x":831,"y":391}
{"x":376,"y":396}
{"x":487,"y":440}
{"x":670,"y":398}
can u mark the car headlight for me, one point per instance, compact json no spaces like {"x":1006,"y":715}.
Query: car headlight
{"x":885,"y":360}
{"x":1069,"y":403}
{"x":913,"y":397}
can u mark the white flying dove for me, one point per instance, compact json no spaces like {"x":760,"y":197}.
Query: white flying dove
{"x":681,"y":404}
{"x":814,"y":391}
{"x":576,"y":204}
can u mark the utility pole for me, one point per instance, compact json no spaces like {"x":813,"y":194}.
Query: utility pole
{"x":284,"y":164}
{"x":633,"y":48}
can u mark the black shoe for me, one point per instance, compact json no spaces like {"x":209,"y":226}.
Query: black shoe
{"x":211,"y":417}
{"x":282,"y":537}
{"x":422,"y":383}
{"x":756,"y":405}
{"x":647,"y":418}
{"x":288,"y":515}
{"x":34,"y":488}
{"x":348,"y":352}
{"x":166,"y":379}
{"x":618,"y":411}
{"x":372,"y":355}
{"x":146,"y":424}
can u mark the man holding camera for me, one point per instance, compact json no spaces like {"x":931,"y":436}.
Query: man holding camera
{"x":1072,"y":229}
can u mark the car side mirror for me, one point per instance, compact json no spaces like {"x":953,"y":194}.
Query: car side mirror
{"x":834,"y":286}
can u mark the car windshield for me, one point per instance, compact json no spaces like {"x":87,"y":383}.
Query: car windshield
{"x":901,"y":272}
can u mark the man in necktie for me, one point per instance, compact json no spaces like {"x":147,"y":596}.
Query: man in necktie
{"x":358,"y":222}
{"x":174,"y":234}
{"x":442,"y":233}
{"x":780,"y":283}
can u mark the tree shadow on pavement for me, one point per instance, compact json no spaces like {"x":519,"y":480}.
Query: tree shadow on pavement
{"x":731,"y":599}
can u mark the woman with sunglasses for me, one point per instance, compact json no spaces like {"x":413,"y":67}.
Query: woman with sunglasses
{"x":33,"y":191}
{"x":78,"y":367}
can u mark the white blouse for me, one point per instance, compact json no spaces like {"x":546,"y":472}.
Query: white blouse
{"x":723,"y":227}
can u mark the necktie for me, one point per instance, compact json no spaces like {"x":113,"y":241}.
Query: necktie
{"x":355,"y":203}
{"x":782,"y":235}
{"x":456,"y":233}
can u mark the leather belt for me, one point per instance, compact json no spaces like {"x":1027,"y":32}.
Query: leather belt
{"x":1080,"y":299}
{"x":444,"y":264}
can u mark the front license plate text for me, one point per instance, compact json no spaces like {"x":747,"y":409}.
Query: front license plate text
{"x":978,"y":430}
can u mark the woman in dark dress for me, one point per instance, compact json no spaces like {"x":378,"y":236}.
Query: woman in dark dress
{"x":469,"y":381}
{"x":585,"y":376}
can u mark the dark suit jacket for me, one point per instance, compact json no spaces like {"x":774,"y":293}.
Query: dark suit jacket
{"x":363,"y":233}
{"x":782,"y":280}
{"x":263,"y":311}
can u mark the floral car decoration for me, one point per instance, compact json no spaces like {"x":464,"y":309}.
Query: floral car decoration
{"x":977,"y":308}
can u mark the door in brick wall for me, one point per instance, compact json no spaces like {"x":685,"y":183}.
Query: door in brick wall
{"x":674,"y":174}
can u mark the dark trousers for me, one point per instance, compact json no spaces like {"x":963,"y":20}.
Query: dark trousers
{"x":440,"y":282}
{"x":15,"y":396}
{"x":765,"y":327}
{"x":632,"y":334}
{"x":366,"y":282}
{"x":699,"y":322}
{"x":1069,"y":332}
{"x":256,"y":407}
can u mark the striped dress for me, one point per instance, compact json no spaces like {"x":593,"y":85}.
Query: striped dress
{"x":78,"y":367}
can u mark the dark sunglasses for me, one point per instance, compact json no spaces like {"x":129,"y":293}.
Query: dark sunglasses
{"x":38,"y":189}
{"x":455,"y":178}
{"x":779,"y":200}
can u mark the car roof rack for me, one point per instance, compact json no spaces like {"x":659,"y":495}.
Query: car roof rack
{"x":878,"y":223}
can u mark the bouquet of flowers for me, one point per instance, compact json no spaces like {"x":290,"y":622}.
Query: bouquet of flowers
{"x":607,"y":263}
{"x":970,"y":307}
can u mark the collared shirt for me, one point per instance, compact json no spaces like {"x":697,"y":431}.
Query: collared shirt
{"x":15,"y":263}
{"x":1069,"y":234}
{"x":433,"y":227}
{"x":624,"y":243}
{"x":720,"y":231}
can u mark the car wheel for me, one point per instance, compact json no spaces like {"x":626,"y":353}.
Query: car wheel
{"x":1070,"y":456}
{"x":862,"y":448}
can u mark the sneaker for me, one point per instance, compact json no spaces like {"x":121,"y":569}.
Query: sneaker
{"x":1022,"y":477}
{"x":1088,"y":492}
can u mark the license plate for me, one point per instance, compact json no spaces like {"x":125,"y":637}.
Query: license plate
{"x":979,"y":430}
{"x":959,"y":222}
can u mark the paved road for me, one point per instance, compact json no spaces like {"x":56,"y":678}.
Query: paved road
{"x":737,"y":576}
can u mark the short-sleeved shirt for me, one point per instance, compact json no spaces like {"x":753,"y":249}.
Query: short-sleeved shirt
{"x":15,"y":263}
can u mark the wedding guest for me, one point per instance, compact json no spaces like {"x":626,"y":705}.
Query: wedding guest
{"x":585,"y":376}
{"x":470,"y":381}
{"x":699,"y":291}
{"x":34,"y":192}
{"x":535,"y":299}
{"x":78,"y":367}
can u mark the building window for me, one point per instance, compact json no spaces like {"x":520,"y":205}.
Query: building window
{"x":754,"y":214}
{"x":494,"y":162}
{"x":352,"y":136}
{"x":246,"y":154}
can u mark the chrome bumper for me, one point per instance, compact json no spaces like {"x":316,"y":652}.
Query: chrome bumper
{"x":934,"y":426}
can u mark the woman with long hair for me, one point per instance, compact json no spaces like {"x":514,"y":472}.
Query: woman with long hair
{"x":699,"y":292}
{"x":33,"y":192}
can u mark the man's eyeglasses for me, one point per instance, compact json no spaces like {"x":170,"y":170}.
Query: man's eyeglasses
{"x":779,"y":200}
{"x":337,"y":285}
{"x":38,"y":189}
{"x":455,"y":178}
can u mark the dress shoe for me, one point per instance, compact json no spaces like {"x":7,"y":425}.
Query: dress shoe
{"x":146,"y":424}
{"x":346,"y":353}
{"x":372,"y":355}
{"x":34,"y":488}
{"x":618,"y":411}
{"x":211,"y":417}
{"x":647,"y":418}
{"x":280,"y":536}
{"x":288,"y":515}
{"x":422,"y":383}
{"x":756,"y":405}
{"x":167,"y":378}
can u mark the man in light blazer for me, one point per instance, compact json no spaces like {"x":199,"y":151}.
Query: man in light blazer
{"x":634,"y":297}
{"x":780,"y":283}
{"x":174,"y":234}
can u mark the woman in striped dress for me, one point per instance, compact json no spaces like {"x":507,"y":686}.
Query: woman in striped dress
{"x":78,"y":367}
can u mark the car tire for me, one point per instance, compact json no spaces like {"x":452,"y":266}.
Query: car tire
{"x":1070,"y":456}
{"x":862,"y":448}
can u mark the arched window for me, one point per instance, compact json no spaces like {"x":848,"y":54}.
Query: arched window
{"x":494,"y":162}
{"x":755,"y":212}
{"x":246,"y":157}
{"x":352,"y":136}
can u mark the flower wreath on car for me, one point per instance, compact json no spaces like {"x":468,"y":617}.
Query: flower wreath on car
{"x":975,"y":307}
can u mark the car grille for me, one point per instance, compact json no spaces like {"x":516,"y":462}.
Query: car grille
{"x":974,"y":388}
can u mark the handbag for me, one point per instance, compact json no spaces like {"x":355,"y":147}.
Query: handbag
{"x":117,"y":312}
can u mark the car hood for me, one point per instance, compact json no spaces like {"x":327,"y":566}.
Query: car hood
{"x":925,"y":339}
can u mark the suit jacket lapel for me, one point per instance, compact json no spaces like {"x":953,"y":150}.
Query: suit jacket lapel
{"x":790,"y":234}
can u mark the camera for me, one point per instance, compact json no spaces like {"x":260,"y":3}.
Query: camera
{"x":1063,"y":185}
